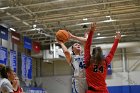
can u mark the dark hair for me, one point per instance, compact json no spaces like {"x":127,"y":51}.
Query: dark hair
{"x":72,"y":50}
{"x":4,"y":70}
{"x":97,"y":55}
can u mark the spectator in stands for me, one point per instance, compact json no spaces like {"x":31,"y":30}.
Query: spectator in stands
{"x":7,"y":75}
{"x":16,"y":85}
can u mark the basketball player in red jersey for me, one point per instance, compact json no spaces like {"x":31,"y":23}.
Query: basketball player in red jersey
{"x":96,"y":65}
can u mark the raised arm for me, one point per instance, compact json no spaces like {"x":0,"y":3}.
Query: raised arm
{"x":65,"y":51}
{"x":81,"y":39}
{"x":87,"y":46}
{"x":113,"y":49}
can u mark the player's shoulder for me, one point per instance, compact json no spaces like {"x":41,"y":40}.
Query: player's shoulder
{"x":4,"y":80}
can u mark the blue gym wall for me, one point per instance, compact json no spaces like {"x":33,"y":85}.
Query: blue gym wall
{"x":124,"y":89}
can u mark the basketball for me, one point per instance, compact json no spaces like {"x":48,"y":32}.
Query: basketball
{"x":62,"y":35}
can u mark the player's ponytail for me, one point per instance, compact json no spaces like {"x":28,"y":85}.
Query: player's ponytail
{"x":72,"y":50}
{"x":97,"y":55}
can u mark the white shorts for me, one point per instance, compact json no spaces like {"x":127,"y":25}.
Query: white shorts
{"x":79,"y":85}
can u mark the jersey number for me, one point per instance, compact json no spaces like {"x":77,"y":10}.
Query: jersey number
{"x":82,"y":65}
{"x":98,"y":69}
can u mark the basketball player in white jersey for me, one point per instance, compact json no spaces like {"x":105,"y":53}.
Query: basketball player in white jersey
{"x":76,"y":62}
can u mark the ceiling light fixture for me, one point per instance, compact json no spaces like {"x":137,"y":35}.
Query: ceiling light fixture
{"x":34,"y":25}
{"x":12,"y":29}
{"x":2,"y":8}
{"x":101,"y":37}
{"x":106,"y":21}
{"x":108,"y":16}
{"x":98,"y":34}
{"x":85,"y":19}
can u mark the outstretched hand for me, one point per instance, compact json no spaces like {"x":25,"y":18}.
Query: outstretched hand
{"x":93,"y":26}
{"x":71,"y":35}
{"x":118,"y":35}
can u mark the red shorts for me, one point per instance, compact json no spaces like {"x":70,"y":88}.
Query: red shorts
{"x":91,"y":90}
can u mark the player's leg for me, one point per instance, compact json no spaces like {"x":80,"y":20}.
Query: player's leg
{"x":75,"y":88}
{"x":82,"y":85}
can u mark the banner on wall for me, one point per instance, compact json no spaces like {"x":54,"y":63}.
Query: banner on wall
{"x":15,"y":37}
{"x":26,"y":67}
{"x":29,"y":67}
{"x":13,"y":60}
{"x":27,"y":43}
{"x":3,"y":55}
{"x":36,"y":47}
{"x":3,"y":32}
{"x":23,"y":69}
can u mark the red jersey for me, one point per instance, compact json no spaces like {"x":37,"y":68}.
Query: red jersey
{"x":96,"y":74}
{"x":19,"y":90}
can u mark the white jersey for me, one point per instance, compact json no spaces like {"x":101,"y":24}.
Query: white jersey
{"x":5,"y":86}
{"x":78,"y":66}
{"x":78,"y":79}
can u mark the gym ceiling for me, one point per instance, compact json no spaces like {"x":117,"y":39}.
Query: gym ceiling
{"x":40,"y":19}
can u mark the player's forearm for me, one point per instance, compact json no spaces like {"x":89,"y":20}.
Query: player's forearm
{"x":81,"y":39}
{"x":112,"y":51}
{"x":64,"y":48}
{"x":114,"y":47}
{"x":66,"y":52}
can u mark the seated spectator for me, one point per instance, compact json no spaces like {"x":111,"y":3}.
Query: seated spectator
{"x":7,"y":75}
{"x":16,"y":85}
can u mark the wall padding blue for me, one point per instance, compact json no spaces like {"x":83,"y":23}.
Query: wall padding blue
{"x":124,"y":89}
